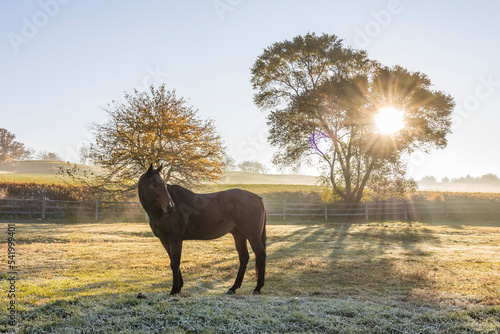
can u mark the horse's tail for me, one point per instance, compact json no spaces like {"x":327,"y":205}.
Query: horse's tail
{"x":263,"y":236}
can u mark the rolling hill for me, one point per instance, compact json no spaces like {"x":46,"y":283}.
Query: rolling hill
{"x":49,"y":168}
{"x":45,"y":171}
{"x":45,"y":167}
{"x":256,"y":178}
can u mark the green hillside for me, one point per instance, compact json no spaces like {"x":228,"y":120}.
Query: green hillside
{"x":46,"y":167}
{"x":37,"y":171}
{"x":31,"y":167}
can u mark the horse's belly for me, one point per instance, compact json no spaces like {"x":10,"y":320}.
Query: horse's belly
{"x":208,"y":232}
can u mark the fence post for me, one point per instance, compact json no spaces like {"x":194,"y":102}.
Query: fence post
{"x":366,"y":210}
{"x":326,"y":212}
{"x":284,"y":210}
{"x":44,"y":207}
{"x":96,"y":209}
{"x":406,"y":210}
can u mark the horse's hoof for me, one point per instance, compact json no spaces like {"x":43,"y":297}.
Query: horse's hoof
{"x":174,"y":292}
{"x":255,"y":292}
{"x":230,"y":292}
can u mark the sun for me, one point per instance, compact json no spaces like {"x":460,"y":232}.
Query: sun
{"x":389,"y":120}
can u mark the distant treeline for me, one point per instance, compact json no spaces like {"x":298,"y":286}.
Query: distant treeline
{"x":485,"y":179}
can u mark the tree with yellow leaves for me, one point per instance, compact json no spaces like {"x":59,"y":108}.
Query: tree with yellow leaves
{"x":154,"y":127}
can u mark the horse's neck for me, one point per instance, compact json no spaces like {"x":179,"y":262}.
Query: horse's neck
{"x":181,"y":194}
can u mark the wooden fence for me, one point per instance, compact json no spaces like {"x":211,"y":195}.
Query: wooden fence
{"x":43,"y":208}
{"x":388,"y":210}
{"x":46,"y":208}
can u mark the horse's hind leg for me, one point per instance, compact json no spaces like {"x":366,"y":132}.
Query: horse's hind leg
{"x":260,"y":261}
{"x":240,"y":242}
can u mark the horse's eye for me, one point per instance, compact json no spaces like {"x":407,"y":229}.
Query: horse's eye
{"x":155,"y":185}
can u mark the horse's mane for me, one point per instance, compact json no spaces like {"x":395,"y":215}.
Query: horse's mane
{"x":178,"y":192}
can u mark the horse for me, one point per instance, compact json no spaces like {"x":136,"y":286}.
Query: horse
{"x":177,"y":214}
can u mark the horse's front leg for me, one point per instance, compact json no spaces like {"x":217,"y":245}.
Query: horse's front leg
{"x":174,"y":250}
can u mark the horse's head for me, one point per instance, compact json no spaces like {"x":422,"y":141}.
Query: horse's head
{"x":153,"y":193}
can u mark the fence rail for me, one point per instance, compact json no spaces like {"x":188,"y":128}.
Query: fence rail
{"x":43,"y":208}
{"x":383,"y":210}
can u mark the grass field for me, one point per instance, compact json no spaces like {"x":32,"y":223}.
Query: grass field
{"x":33,"y":178}
{"x":321,"y":278}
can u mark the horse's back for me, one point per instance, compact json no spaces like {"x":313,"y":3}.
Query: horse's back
{"x":242,"y":199}
{"x":245,"y":208}
{"x":241,"y":194}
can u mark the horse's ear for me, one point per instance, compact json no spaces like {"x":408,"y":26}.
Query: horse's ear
{"x":158,"y":170}
{"x":150,"y":169}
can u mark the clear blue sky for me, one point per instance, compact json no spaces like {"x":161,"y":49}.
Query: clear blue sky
{"x":61,"y":62}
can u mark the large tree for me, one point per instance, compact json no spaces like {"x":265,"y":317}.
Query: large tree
{"x":10,"y":148}
{"x":155,"y":127}
{"x":324,"y":99}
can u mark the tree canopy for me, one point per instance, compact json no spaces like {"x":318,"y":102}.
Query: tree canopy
{"x":10,"y":149}
{"x":323,"y":99}
{"x":155,"y":127}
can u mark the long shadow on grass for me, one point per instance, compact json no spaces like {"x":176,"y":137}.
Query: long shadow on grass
{"x":347,"y":258}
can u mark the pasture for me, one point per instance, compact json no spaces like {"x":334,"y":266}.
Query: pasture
{"x":333,"y":277}
{"x":32,"y":178}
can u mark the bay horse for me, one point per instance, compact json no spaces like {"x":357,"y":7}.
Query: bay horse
{"x":177,"y":214}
